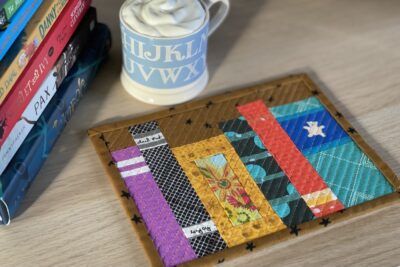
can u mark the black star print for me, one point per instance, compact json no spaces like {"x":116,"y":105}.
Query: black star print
{"x":104,"y":140}
{"x":270,"y":99}
{"x":338,"y":114}
{"x":351,"y":130}
{"x":136,"y":219}
{"x":325,"y":222}
{"x":188,"y":121}
{"x":125,"y":194}
{"x":221,"y":261}
{"x":250,"y":246}
{"x":209,"y":104}
{"x":207,"y":125}
{"x":315,"y":92}
{"x":295,"y":230}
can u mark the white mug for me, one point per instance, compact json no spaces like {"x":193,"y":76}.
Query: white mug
{"x":168,"y":70}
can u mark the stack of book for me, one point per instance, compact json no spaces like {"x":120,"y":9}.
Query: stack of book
{"x":49,"y":53}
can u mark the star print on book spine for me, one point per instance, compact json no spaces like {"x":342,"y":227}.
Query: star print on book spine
{"x":309,"y":184}
{"x":172,"y":244}
{"x":177,"y":190}
{"x":324,"y":143}
{"x":276,"y":187}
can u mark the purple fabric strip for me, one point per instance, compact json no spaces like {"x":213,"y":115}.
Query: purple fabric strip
{"x":127,"y":153}
{"x":168,"y":237}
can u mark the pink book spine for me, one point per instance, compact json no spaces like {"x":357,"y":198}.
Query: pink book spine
{"x":40,"y":65}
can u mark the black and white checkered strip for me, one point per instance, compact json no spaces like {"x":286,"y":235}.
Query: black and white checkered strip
{"x":206,"y":244}
{"x":143,"y":128}
{"x":177,"y":190}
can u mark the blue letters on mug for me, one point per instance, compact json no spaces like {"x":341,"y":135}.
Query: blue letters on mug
{"x":164,"y":63}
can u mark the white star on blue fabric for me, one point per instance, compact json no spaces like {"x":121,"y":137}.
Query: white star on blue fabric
{"x":314,"y":130}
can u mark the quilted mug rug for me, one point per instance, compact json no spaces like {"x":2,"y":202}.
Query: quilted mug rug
{"x":214,"y":179}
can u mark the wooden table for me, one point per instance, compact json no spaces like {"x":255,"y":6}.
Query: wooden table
{"x":71,"y":216}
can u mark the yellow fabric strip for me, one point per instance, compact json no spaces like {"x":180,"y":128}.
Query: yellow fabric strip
{"x":320,"y":197}
{"x":232,"y":234}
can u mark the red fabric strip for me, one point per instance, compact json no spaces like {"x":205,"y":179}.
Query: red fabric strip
{"x":296,"y":167}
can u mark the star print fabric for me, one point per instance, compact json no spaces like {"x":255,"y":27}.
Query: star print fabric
{"x":209,"y":181}
{"x":341,"y":163}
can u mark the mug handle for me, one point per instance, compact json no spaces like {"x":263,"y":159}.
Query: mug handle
{"x":219,"y":17}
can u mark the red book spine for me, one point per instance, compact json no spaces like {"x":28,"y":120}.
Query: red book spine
{"x":40,"y":65}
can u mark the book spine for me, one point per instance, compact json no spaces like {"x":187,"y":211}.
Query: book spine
{"x":11,"y":6}
{"x":17,"y":24}
{"x":34,"y":33}
{"x":47,"y":90}
{"x":34,"y":151}
{"x":40,"y":65}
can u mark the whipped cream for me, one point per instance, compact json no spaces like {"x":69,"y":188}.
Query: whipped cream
{"x":164,"y":18}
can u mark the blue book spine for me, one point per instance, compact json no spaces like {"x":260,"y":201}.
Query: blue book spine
{"x":17,"y":24}
{"x":30,"y":157}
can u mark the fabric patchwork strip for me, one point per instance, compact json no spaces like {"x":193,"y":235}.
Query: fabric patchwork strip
{"x":300,"y":172}
{"x":228,"y":189}
{"x":265,"y":171}
{"x":170,"y":240}
{"x":351,"y":175}
{"x":231,"y":209}
{"x":177,"y":190}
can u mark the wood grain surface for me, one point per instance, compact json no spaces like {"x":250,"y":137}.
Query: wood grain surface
{"x":71,"y":216}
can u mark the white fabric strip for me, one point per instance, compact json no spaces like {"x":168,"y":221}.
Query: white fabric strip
{"x":200,"y":229}
{"x":124,"y":163}
{"x":134,"y":172}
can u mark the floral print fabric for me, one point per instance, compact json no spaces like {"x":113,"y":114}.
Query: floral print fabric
{"x":227,"y":188}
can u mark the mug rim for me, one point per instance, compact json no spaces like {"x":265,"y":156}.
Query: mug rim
{"x":205,"y":23}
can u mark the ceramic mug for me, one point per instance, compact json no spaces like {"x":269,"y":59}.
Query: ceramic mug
{"x":168,"y":70}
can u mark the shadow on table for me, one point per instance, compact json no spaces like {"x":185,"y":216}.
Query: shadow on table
{"x":223,"y":40}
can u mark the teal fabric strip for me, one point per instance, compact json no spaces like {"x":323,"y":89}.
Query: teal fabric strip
{"x":296,"y":115}
{"x":234,"y":136}
{"x":350,"y":174}
{"x":284,"y":199}
{"x":295,"y":108}
{"x":269,"y":177}
{"x":255,"y":157}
